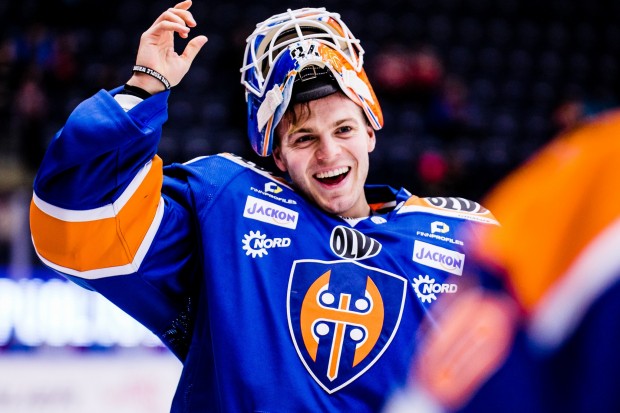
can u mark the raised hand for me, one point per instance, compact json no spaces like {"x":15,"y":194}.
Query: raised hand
{"x":156,"y":50}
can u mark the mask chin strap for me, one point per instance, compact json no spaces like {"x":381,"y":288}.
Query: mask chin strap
{"x":273,"y":99}
{"x":353,"y":82}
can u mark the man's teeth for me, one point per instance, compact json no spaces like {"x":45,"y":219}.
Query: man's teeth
{"x":331,"y":174}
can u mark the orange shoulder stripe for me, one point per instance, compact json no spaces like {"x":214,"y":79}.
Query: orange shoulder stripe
{"x":110,"y":240}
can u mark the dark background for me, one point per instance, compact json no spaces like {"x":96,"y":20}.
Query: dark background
{"x":469,"y":88}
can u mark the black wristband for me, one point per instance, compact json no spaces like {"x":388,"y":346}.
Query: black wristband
{"x":153,"y":73}
{"x":135,"y":91}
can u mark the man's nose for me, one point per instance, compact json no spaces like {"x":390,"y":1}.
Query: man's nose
{"x":328,"y":147}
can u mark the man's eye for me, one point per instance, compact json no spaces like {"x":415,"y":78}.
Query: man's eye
{"x":303,"y":139}
{"x":345,"y":129}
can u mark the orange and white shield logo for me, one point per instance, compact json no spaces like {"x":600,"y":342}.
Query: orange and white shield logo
{"x":342,"y":317}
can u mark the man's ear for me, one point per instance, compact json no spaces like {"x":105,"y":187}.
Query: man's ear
{"x":277,"y":158}
{"x":372,"y":138}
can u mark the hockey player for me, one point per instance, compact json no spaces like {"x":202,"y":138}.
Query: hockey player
{"x":566,"y":279}
{"x":557,"y":254}
{"x":278,"y":295}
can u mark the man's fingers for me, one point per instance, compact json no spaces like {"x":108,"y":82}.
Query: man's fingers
{"x":178,"y":14}
{"x":184,"y":19}
{"x":181,"y":15}
{"x":184,"y":5}
{"x":193,"y":47}
{"x":168,"y":26}
{"x":187,"y":16}
{"x":181,"y":10}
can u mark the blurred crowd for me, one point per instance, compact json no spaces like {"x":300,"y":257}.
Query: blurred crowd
{"x":469,"y":89}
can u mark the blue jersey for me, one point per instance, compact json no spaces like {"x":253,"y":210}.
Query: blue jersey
{"x":271,"y":304}
{"x":557,"y":253}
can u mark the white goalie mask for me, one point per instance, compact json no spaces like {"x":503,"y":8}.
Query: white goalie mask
{"x":311,"y":40}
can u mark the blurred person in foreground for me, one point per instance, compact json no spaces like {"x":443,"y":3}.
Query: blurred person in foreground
{"x":295,"y":293}
{"x":557,"y":255}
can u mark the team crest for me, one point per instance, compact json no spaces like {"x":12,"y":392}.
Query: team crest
{"x":342,"y":317}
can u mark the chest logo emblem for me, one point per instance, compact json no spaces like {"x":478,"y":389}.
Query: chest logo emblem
{"x":342,"y":317}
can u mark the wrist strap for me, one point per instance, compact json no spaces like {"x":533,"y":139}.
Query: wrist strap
{"x":153,"y":73}
{"x":135,"y":91}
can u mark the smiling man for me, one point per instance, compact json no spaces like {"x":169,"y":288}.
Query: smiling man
{"x":296,"y":294}
{"x":326,"y":154}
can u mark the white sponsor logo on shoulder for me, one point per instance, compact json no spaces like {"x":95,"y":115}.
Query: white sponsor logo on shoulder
{"x":438,"y":257}
{"x":440,"y":227}
{"x":270,"y":213}
{"x":271,"y":188}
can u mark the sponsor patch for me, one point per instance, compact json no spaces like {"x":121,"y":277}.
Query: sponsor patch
{"x":437,"y":257}
{"x":438,"y":228}
{"x":270,"y":213}
{"x":427,"y":289}
{"x":257,"y":244}
{"x":271,"y":190}
{"x":349,"y":243}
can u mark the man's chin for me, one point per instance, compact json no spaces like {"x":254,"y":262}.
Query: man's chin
{"x":334,"y":206}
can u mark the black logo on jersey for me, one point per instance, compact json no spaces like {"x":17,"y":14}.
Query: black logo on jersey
{"x":351,"y":244}
{"x":457,"y":204}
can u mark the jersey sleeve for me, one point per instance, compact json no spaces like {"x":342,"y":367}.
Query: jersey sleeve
{"x":104,"y":216}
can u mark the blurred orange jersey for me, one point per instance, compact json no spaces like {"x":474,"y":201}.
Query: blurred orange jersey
{"x":560,"y":213}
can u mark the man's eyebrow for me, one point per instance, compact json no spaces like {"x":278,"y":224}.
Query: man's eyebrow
{"x":341,"y":121}
{"x":301,"y":130}
{"x":310,"y":130}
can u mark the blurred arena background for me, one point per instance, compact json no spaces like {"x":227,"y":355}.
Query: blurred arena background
{"x":469,"y":89}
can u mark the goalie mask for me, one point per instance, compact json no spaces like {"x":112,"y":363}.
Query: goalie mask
{"x":298,"y":56}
